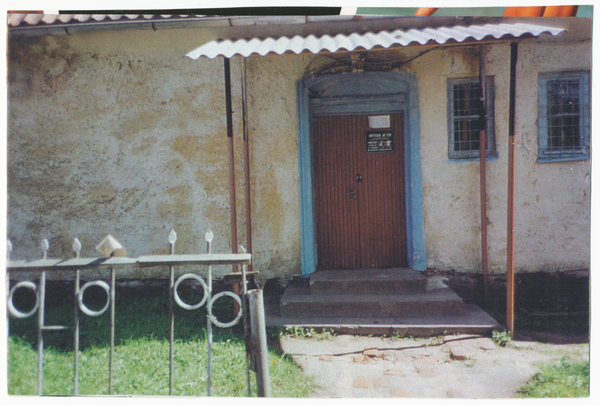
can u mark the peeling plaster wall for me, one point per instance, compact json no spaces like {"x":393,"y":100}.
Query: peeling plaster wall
{"x":118,"y":132}
{"x":274,"y":162}
{"x":553,"y":199}
{"x":552,"y":202}
{"x":450,"y":188}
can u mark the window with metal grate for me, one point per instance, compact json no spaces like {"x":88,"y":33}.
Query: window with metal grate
{"x":465,"y":105}
{"x":564,"y":116}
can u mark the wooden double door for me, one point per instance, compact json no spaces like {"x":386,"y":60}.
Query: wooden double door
{"x":358,"y":171}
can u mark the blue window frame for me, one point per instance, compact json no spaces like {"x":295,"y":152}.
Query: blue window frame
{"x":464,"y":107}
{"x":564,"y":116}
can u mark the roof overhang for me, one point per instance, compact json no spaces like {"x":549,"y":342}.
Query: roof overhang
{"x":443,"y":35}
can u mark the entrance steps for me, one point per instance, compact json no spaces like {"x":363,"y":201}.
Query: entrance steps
{"x":379,"y":301}
{"x":361,"y":282}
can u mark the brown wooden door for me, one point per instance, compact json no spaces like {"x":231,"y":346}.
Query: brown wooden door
{"x":359,"y":193}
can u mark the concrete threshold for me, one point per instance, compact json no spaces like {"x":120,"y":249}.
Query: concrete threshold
{"x":473,"y":320}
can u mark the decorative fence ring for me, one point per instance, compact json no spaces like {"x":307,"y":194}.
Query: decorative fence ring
{"x":214,"y":319}
{"x":180,"y":302}
{"x":85,"y":309}
{"x":13,"y":310}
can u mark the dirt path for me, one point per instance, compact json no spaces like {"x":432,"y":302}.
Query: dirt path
{"x":449,"y":367}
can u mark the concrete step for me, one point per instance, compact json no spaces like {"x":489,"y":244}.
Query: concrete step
{"x":472,"y":320}
{"x":368,"y":281}
{"x":298,"y":302}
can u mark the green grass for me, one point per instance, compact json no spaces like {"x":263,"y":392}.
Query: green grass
{"x":141,"y":363}
{"x":566,"y":379}
{"x":309,"y":333}
{"x":501,"y":338}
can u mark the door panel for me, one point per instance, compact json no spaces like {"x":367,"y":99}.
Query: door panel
{"x":360,"y":221}
{"x":336,"y":196}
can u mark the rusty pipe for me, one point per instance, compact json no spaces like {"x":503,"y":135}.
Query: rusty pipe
{"x":483,"y":179}
{"x":231,"y":161}
{"x":248,"y":195}
{"x":510,"y":259}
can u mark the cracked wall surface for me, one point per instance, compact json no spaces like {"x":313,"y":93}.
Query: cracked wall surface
{"x":118,"y":133}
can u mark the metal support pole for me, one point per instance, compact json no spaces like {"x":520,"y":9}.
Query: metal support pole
{"x":208,"y":321}
{"x":483,"y":180}
{"x":259,"y":336}
{"x":248,"y":195}
{"x":171,"y":325}
{"x":247,"y":341}
{"x":231,"y":161}
{"x":172,"y":238}
{"x":76,"y":336}
{"x":42,"y":302}
{"x":510,"y":266}
{"x":483,"y":198}
{"x":112,"y":331}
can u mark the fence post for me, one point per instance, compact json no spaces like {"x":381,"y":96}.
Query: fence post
{"x":259,"y":337}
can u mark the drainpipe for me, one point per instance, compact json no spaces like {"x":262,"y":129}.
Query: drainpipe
{"x":231,"y":161}
{"x":483,"y":181}
{"x":510,"y":265}
{"x":246,"y":163}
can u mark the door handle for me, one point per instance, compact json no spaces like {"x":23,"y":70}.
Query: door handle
{"x":358,"y":178}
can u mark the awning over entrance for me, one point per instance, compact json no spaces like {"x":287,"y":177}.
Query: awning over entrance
{"x":370,"y":40}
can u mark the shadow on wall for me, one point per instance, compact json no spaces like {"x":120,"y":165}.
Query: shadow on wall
{"x":542,"y":300}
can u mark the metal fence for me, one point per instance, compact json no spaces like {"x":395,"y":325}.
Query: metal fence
{"x":249,"y":308}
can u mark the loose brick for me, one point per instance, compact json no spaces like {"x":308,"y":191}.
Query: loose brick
{"x":458,"y":352}
{"x":487,"y":344}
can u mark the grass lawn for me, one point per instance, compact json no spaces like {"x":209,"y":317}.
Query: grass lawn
{"x":566,"y":379}
{"x":141,"y":363}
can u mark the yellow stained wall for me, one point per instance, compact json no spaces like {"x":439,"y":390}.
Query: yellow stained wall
{"x":118,"y":132}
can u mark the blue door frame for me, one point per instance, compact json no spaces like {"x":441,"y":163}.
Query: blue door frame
{"x":362,"y":93}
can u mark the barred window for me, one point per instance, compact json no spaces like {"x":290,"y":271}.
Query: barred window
{"x":564,"y":116}
{"x":465,"y":105}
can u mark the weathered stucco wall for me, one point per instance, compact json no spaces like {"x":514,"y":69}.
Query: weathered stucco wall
{"x":450,"y":188}
{"x":119,"y":133}
{"x":553,"y":204}
{"x":274,"y":157}
{"x":552,"y":201}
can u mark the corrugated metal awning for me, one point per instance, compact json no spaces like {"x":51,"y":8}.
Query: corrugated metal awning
{"x":21,"y":20}
{"x":370,"y":40}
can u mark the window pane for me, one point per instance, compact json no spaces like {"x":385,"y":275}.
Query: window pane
{"x":467,"y":105}
{"x":466,"y":135}
{"x":571,"y":132}
{"x":563,"y":114}
{"x":564,"y":131}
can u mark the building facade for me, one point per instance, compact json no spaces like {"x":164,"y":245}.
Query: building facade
{"x":358,"y":159}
